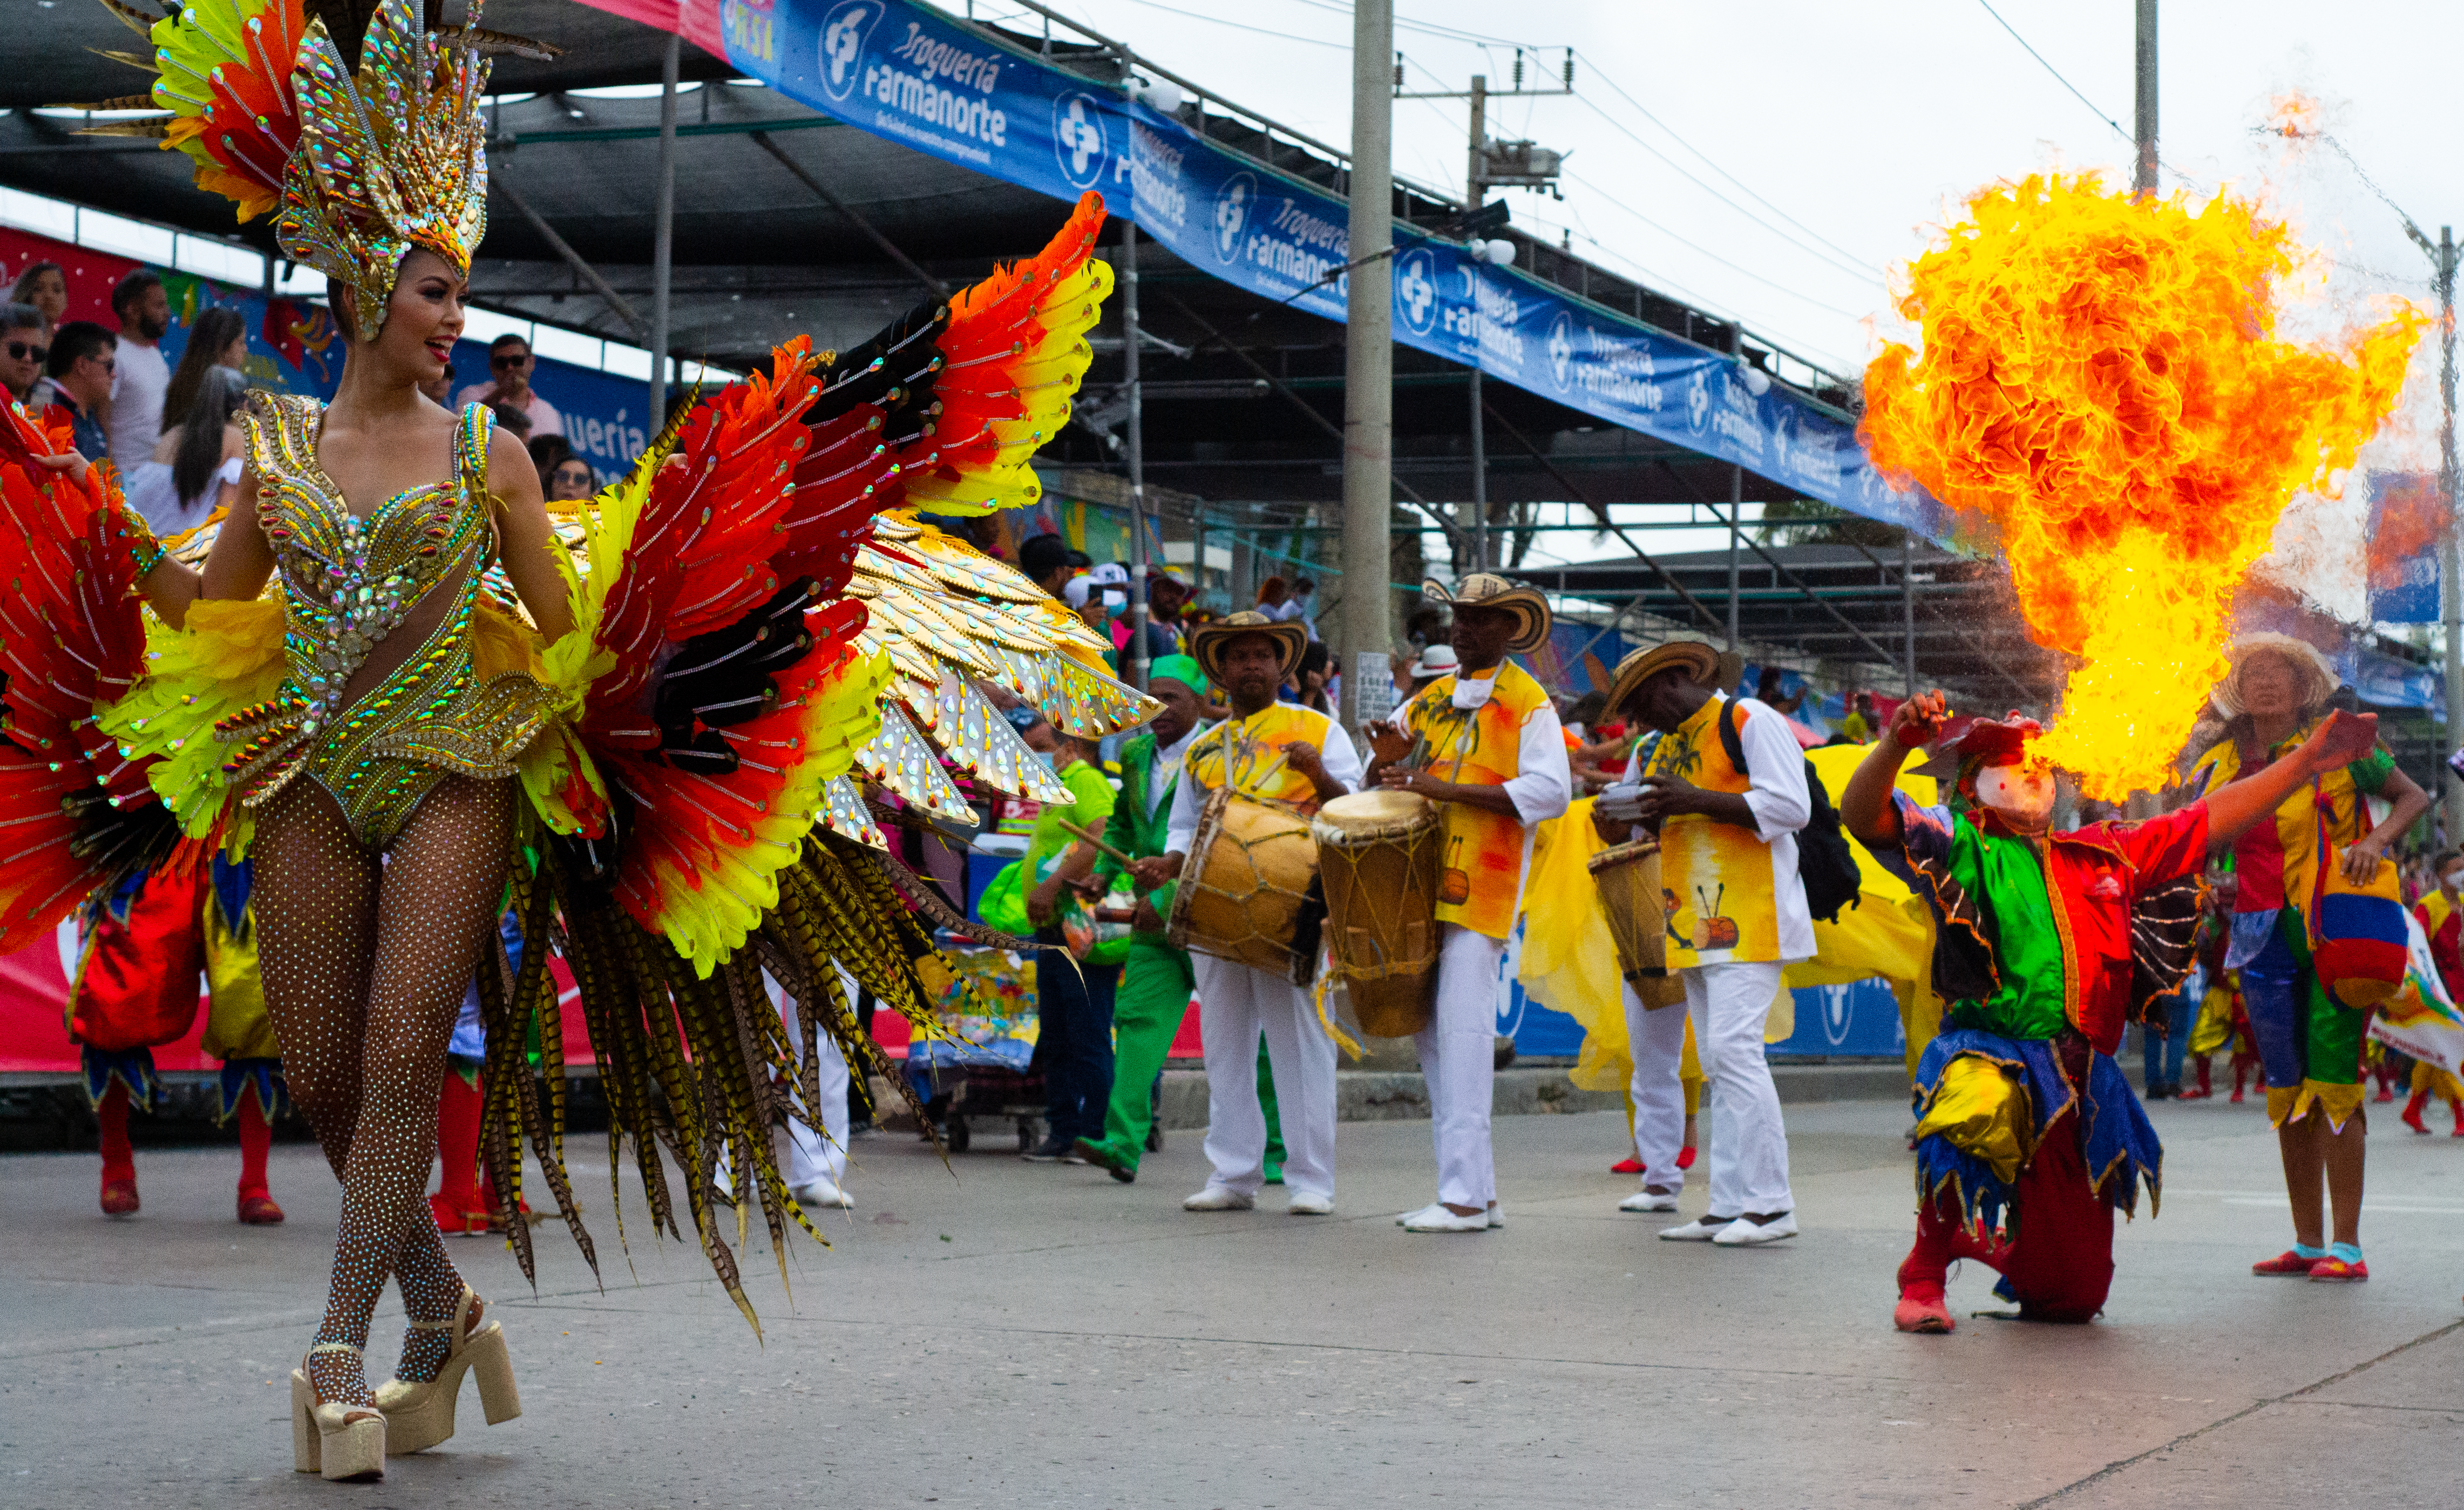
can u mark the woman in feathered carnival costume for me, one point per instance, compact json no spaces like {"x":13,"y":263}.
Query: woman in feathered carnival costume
{"x":2028,"y":1137}
{"x":652,"y":753}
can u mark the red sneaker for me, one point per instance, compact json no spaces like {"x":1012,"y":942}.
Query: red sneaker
{"x":1629,"y":1165}
{"x":2335,"y":1271}
{"x":2287,"y":1262}
{"x":2411,"y":1114}
{"x":1684,"y":1158}
{"x":1921,"y":1309}
{"x":119,"y":1197}
{"x":2459,"y":1120}
{"x":256,"y":1208}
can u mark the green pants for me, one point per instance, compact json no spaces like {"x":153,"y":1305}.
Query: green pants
{"x":1146,"y":1013}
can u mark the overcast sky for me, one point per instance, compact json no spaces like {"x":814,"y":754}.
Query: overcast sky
{"x":1801,"y":153}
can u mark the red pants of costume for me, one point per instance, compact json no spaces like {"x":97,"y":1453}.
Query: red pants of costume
{"x":2059,"y":1256}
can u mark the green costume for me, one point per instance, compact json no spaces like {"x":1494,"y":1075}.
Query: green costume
{"x":1157,"y":980}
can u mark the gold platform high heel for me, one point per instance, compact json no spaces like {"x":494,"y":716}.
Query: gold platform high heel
{"x":336,"y":1440}
{"x":420,"y":1415}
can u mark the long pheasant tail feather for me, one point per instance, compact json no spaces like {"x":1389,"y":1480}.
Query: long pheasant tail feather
{"x":543,"y":1101}
{"x":141,"y":22}
{"x":508,"y":1073}
{"x":722,"y":1259}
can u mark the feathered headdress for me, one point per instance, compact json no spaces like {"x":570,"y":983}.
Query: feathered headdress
{"x":356,"y":117}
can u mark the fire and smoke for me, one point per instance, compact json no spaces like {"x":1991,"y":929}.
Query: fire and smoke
{"x":2100,"y":378}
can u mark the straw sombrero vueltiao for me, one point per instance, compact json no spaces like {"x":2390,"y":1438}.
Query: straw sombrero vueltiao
{"x":1698,"y":659}
{"x":1208,"y":641}
{"x":1483,"y":590}
{"x":2317,"y":677}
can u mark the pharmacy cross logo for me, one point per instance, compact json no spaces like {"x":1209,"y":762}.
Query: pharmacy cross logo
{"x":1561,"y":351}
{"x":1078,"y":139}
{"x":1416,"y":290}
{"x":1837,"y":1012}
{"x":1698,"y":398}
{"x":844,"y":33}
{"x":1233,"y":203}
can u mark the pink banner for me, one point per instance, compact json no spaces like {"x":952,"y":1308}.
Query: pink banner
{"x":34,"y":1022}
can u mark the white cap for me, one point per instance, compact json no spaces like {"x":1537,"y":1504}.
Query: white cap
{"x":1437,"y":661}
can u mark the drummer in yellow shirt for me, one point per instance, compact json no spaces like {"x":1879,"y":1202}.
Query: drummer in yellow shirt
{"x":1486,"y":745}
{"x":1283,"y":753}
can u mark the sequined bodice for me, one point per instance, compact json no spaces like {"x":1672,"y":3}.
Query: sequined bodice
{"x":348,"y":584}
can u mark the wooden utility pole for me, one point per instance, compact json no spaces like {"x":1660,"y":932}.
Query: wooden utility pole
{"x":1369,"y":369}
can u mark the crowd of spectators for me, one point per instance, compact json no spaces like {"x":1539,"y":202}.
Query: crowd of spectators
{"x":173,"y":433}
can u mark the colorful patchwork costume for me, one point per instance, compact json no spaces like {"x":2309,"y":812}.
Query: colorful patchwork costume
{"x":2309,"y":1043}
{"x":2029,"y":1138}
{"x":145,"y":942}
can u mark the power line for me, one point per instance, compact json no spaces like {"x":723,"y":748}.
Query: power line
{"x":1865,"y":274}
{"x":1620,"y":205}
{"x":1426,"y":27}
{"x":1609,"y":79}
{"x":2081,"y":97}
{"x":1239,"y":26}
{"x":2058,"y":73}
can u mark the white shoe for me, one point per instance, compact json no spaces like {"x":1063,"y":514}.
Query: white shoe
{"x":822,"y":1191}
{"x":1436,"y":1218}
{"x":1701,"y":1229}
{"x":1406,"y":1218}
{"x":1309,"y":1203}
{"x":1219,"y":1198}
{"x":1743,"y":1234}
{"x":1648,"y":1201}
{"x":1496,"y":1215}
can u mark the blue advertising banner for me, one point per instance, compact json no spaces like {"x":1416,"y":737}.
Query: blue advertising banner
{"x":604,"y":414}
{"x":2406,"y":516}
{"x":914,"y":75}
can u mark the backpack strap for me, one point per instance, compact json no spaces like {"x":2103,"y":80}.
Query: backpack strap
{"x":1730,"y":741}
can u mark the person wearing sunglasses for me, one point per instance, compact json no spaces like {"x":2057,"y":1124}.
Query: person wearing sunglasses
{"x":23,"y":347}
{"x":509,"y":366}
{"x":77,"y":383}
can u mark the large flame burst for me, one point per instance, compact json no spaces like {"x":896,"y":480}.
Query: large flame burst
{"x":2100,"y":378}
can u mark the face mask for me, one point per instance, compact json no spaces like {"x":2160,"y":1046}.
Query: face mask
{"x":1045,"y":758}
{"x":1474,"y":693}
{"x":2452,"y":880}
{"x":2023,"y":795}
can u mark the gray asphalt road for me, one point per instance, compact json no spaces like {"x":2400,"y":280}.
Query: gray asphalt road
{"x":1033,"y":1335}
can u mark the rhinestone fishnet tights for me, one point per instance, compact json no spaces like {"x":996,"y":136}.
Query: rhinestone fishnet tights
{"x":365,"y":961}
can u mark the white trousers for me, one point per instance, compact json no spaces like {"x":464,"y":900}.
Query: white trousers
{"x":811,"y":1155}
{"x":1657,"y":1039}
{"x":1235,"y":1005}
{"x":1748,"y":1152}
{"x":1458,"y":1061}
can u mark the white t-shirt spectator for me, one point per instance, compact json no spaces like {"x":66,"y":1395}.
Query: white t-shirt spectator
{"x":544,"y":419}
{"x":137,"y":385}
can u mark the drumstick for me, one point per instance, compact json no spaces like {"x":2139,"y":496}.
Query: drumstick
{"x":1101,"y":848}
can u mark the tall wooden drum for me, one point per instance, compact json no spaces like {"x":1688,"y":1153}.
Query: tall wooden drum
{"x":1248,"y":891}
{"x":1637,"y":908}
{"x":1378,"y":854}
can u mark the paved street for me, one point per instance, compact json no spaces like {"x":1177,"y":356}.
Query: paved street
{"x":1029,"y":1335}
